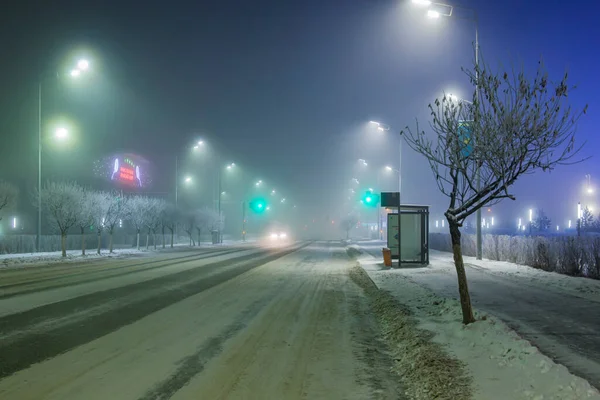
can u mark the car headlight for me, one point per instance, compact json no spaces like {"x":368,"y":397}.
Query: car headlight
{"x":274,"y":236}
{"x":282,"y":235}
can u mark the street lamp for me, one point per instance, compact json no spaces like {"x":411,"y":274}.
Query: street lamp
{"x":188,"y":179}
{"x":258,"y":183}
{"x":81,"y":66}
{"x":434,"y":14}
{"x":61,"y":133}
{"x":384,"y":127}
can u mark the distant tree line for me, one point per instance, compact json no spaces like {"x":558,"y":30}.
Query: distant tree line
{"x":69,"y":206}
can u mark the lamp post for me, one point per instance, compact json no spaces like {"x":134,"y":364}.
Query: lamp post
{"x":384,"y":128}
{"x":434,"y":14}
{"x":81,"y":66}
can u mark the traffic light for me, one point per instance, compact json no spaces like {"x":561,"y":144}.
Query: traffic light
{"x":370,"y":199}
{"x":258,"y":205}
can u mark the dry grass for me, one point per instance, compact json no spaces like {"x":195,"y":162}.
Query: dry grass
{"x":426,"y":370}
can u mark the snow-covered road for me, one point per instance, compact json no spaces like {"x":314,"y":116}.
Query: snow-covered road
{"x":564,"y":326}
{"x":217,"y":324}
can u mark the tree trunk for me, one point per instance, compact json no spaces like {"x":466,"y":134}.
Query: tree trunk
{"x":63,"y":243}
{"x":154,"y":239}
{"x":138,"y":238}
{"x":99,"y":241}
{"x":163,"y":237}
{"x":347,"y":234}
{"x":463,"y":288}
{"x":148,"y":239}
{"x":172,"y":237}
{"x":83,"y":241}
{"x":110,"y":242}
{"x":199,"y":236}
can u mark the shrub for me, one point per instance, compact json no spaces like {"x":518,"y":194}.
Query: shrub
{"x":575,"y":256}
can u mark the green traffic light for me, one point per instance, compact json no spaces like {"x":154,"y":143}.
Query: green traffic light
{"x":258,"y":205}
{"x":370,"y":199}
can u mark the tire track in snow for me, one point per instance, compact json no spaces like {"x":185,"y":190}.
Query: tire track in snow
{"x":38,"y":346}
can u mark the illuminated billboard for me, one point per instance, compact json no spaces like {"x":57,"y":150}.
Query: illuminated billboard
{"x":126,"y":171}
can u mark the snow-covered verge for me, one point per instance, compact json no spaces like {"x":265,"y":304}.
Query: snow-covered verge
{"x":25,"y":259}
{"x":427,"y":371}
{"x":578,"y":286}
{"x":19,"y":259}
{"x":501,"y":364}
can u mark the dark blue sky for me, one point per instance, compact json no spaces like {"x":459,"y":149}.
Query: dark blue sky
{"x":283,"y":87}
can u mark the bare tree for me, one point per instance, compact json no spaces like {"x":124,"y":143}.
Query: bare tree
{"x":514,"y":126}
{"x":118,"y":209}
{"x":169,"y":218}
{"x":139,"y":208}
{"x":348,"y":223}
{"x":189,"y":224}
{"x":101,"y":203}
{"x":208,"y":219}
{"x":587,"y":220}
{"x":85,"y":211}
{"x":8,"y":196}
{"x":541,"y":222}
{"x":153,"y":220}
{"x":62,"y":201}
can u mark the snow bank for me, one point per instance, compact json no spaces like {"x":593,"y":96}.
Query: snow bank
{"x":502,"y":364}
{"x":56,"y":257}
{"x":577,"y":286}
{"x":23,"y":259}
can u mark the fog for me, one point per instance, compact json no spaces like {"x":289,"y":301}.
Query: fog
{"x":285,"y":91}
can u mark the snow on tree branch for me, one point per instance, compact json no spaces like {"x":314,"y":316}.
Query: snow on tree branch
{"x":62,"y":201}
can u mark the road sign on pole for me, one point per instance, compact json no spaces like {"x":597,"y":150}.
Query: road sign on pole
{"x":465,"y":136}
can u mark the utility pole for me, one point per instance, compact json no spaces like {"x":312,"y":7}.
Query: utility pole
{"x":243,"y":221}
{"x":39,"y":199}
{"x":219,"y":205}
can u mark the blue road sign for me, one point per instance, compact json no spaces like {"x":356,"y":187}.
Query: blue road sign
{"x":465,"y":137}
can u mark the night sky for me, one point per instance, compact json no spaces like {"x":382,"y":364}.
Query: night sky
{"x":282,"y":88}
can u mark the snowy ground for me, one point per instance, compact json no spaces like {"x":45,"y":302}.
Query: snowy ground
{"x":582,"y":287}
{"x":503,"y":365}
{"x":258,"y":323}
{"x":21,"y":259}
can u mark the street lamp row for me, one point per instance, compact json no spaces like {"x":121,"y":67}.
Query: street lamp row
{"x":61,"y":133}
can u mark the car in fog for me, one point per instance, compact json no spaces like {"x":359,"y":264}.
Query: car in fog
{"x":278,"y":236}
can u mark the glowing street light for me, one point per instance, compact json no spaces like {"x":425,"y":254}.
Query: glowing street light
{"x":449,"y":12}
{"x":531,"y":215}
{"x":61,"y":133}
{"x":83,"y":64}
{"x":188,"y":179}
{"x":198,"y":145}
{"x":258,"y":183}
{"x":273,"y":192}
